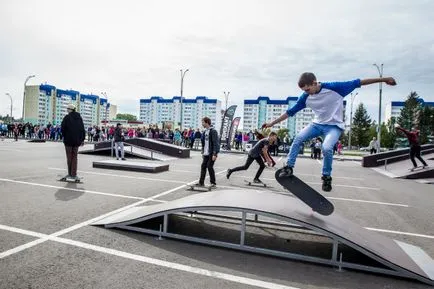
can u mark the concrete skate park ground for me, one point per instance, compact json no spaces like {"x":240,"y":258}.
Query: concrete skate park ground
{"x":46,"y":240}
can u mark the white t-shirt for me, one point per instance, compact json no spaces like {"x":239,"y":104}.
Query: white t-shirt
{"x":206,"y":145}
{"x":327,"y":104}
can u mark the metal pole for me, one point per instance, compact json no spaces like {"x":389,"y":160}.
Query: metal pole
{"x":24,"y":93}
{"x":106,"y":108}
{"x":10,"y":97}
{"x":226,"y":99}
{"x":182,"y":87}
{"x":351,"y":119}
{"x":380,"y":72}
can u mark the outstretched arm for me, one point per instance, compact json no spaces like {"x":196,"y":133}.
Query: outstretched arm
{"x":299,"y":105}
{"x":387,"y":80}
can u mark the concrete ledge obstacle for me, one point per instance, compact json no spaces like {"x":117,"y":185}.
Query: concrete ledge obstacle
{"x":146,"y":167}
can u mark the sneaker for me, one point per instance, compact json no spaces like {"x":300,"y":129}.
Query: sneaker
{"x":199,"y":185}
{"x":213,"y":185}
{"x":257,"y":181}
{"x":124,"y":159}
{"x":326,"y":183}
{"x":228,"y":173}
{"x":286,"y":172}
{"x":117,"y":159}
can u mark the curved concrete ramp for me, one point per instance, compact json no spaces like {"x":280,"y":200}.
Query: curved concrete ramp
{"x":395,"y":258}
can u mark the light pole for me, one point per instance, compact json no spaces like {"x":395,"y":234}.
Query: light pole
{"x":24,"y":94}
{"x":351,"y":118}
{"x":182,"y":87}
{"x":380,"y":72}
{"x":226,"y":99}
{"x":11,"y":104}
{"x":106,"y":107}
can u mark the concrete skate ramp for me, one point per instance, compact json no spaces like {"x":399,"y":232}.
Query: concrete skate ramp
{"x":130,"y":150}
{"x":393,"y":156}
{"x":163,"y":147}
{"x":401,"y":169}
{"x":398,"y":258}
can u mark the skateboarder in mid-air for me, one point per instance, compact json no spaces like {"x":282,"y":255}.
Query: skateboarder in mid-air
{"x":413,"y":139}
{"x":259,"y":150}
{"x":326,"y":101}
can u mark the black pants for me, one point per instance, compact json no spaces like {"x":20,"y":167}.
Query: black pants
{"x":415,"y":152}
{"x":373,"y":151}
{"x":71,"y":160}
{"x":207,"y":163}
{"x":249,"y":161}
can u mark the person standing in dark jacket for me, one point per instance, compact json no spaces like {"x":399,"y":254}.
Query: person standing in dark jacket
{"x":73,"y":137}
{"x":119,"y":141}
{"x":210,"y":150}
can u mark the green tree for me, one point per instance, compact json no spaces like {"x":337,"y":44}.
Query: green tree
{"x":409,"y":116}
{"x":388,"y":133}
{"x":282,"y":132}
{"x":126,"y":116}
{"x":426,"y":124}
{"x":361,"y":126}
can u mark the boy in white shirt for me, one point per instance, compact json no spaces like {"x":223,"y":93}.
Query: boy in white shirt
{"x":326,"y":101}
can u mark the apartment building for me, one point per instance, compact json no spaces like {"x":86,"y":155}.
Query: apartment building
{"x":156,"y":110}
{"x":393,"y":108}
{"x":263,"y":109}
{"x":44,"y":104}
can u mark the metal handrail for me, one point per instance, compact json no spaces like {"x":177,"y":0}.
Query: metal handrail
{"x":398,"y":156}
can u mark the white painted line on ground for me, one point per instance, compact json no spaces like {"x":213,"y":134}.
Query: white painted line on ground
{"x":88,"y":222}
{"x":175,"y":266}
{"x":22,"y":247}
{"x":69,"y":189}
{"x":400,"y":233}
{"x":347,"y":186}
{"x":365,"y":201}
{"x":122,"y":176}
{"x":308,"y":175}
{"x":319,"y":162}
{"x":279,"y":159}
{"x":13,"y":150}
{"x":143,"y":259}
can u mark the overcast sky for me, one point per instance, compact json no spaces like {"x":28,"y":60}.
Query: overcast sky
{"x":135,"y":49}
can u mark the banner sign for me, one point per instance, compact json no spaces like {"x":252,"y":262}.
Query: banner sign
{"x":226,"y":125}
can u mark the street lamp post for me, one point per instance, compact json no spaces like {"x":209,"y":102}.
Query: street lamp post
{"x":24,"y":93}
{"x":351,"y":118}
{"x":106,"y":107}
{"x":182,"y":87}
{"x":380,"y":72}
{"x":10,"y":97}
{"x":226,"y":99}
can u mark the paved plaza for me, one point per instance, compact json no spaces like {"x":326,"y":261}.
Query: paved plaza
{"x":46,"y":240}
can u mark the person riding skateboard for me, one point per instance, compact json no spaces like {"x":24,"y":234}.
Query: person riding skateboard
{"x":210,"y":150}
{"x":413,"y":139}
{"x":259,"y":150}
{"x":326,"y":101}
{"x":73,"y":136}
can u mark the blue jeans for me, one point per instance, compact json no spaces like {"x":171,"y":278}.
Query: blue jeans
{"x":331,"y":133}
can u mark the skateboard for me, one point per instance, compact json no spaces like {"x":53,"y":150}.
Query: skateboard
{"x":253,"y":184}
{"x":68,"y":180}
{"x":200,"y":188}
{"x":417,"y":168}
{"x":305,"y":193}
